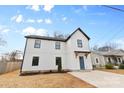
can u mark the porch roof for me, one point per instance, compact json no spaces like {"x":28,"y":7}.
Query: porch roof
{"x":86,"y":52}
{"x":82,"y":51}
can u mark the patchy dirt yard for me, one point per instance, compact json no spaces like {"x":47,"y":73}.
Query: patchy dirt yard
{"x":117,"y":71}
{"x":54,"y":80}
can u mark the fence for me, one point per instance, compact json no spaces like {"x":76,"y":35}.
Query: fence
{"x":9,"y":66}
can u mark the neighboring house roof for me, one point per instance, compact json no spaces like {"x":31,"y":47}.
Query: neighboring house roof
{"x":56,"y":38}
{"x":110,"y":53}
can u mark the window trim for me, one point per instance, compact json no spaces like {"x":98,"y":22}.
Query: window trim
{"x":33,"y":61}
{"x":58,"y":45}
{"x":79,"y":43}
{"x":35,"y":43}
{"x":58,"y":58}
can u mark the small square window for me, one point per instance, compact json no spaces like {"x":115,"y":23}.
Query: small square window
{"x":35,"y":61}
{"x":79,"y":43}
{"x":57,"y":45}
{"x":37,"y":44}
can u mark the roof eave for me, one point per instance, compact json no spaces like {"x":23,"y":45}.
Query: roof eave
{"x":75,"y":31}
{"x":44,"y":38}
{"x":61,"y":40}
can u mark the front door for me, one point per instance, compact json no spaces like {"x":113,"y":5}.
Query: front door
{"x":81,"y":59}
{"x":58,"y":62}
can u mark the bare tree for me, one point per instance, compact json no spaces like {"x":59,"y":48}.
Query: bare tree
{"x":14,"y":55}
{"x":5,"y":57}
{"x":59,"y":35}
{"x":112,"y":45}
{"x":95,"y":47}
{"x":67,"y":35}
{"x":106,"y":47}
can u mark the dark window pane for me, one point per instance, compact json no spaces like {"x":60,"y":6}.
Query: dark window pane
{"x":58,"y":59}
{"x":109,"y":60}
{"x":35,"y":61}
{"x":97,"y":60}
{"x":119,"y":59}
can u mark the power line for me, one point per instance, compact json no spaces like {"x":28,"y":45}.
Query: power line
{"x":104,"y":34}
{"x":117,"y":9}
{"x":115,"y":34}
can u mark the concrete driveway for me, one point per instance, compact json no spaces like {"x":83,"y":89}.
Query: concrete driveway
{"x":101,"y":79}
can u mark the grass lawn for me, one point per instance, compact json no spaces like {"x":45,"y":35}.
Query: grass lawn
{"x":53,"y":80}
{"x":117,"y":71}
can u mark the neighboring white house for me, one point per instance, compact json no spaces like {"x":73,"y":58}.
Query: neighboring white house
{"x":44,"y":53}
{"x":100,"y":58}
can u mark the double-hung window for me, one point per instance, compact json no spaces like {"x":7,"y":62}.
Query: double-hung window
{"x":57,"y":45}
{"x":79,"y":43}
{"x":37,"y":44}
{"x":35,"y":61}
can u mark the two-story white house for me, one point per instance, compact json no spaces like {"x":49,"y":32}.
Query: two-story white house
{"x":44,"y":53}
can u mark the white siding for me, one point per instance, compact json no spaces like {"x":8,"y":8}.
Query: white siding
{"x":73,"y":62}
{"x":101,"y":60}
{"x":47,"y":54}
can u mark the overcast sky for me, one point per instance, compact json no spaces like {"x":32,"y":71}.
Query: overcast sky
{"x":101,"y":24}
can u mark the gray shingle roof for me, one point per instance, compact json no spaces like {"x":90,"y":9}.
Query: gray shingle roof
{"x":113,"y":52}
{"x":45,"y":38}
{"x":55,"y":38}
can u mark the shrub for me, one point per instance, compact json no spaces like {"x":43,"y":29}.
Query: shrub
{"x":109,"y":66}
{"x":116,"y":64}
{"x":121,"y":66}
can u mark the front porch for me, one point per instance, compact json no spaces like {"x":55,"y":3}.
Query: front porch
{"x":84,"y":59}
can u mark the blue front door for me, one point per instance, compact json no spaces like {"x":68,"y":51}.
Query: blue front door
{"x":81,"y":59}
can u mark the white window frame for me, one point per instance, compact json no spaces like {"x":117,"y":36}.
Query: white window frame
{"x":57,"y":45}
{"x":37,"y":43}
{"x":79,"y":43}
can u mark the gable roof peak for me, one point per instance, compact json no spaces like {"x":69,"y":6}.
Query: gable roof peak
{"x":79,"y":29}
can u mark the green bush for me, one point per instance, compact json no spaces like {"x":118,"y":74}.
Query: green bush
{"x":109,"y":66}
{"x":121,"y":66}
